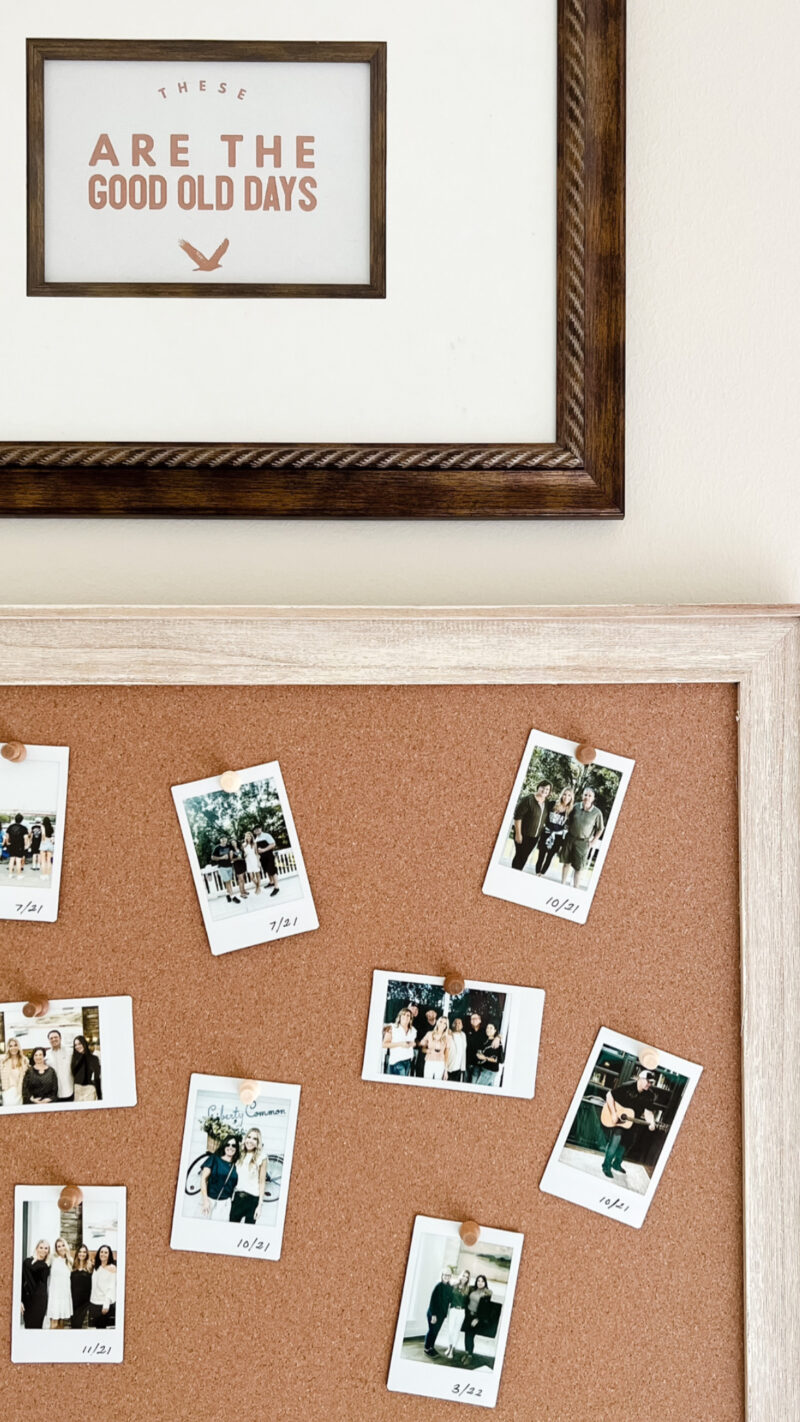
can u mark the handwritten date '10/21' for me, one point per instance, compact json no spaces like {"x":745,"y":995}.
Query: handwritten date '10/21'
{"x":563,"y":905}
{"x":253,"y":1246}
{"x":617,"y":1204}
{"x":29,"y":907}
{"x":279,"y":925}
{"x":467,"y":1390}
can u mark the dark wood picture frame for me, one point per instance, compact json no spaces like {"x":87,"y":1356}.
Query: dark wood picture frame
{"x":579,"y":475}
{"x":243,"y":51}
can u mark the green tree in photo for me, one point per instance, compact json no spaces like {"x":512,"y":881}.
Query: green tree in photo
{"x":563,"y":771}
{"x":254,"y":805}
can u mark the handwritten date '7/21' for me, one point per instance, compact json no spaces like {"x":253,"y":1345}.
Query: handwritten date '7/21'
{"x":279,"y":925}
{"x":563,"y":905}
{"x":29,"y":907}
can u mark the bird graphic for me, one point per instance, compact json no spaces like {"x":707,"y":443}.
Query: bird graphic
{"x":205,"y":264}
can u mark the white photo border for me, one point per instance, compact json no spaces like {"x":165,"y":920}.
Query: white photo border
{"x":577,"y":1188}
{"x":40,"y":905}
{"x":65,"y":1345}
{"x":524,"y":1034}
{"x":229,"y":935}
{"x":117,"y":1061}
{"x":503,"y":882}
{"x":253,"y":1241}
{"x":424,"y":1380}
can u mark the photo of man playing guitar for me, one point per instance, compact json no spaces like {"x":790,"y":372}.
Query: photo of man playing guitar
{"x":625,"y":1108}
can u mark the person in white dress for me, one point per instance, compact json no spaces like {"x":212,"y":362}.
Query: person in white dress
{"x":457,"y":1311}
{"x":13,"y":1066}
{"x":104,"y":1289}
{"x":252,"y":861}
{"x":251,"y":1179}
{"x":59,"y":1298}
{"x":457,"y":1052}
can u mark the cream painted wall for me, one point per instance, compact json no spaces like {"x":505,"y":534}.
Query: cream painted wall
{"x":713,"y":367}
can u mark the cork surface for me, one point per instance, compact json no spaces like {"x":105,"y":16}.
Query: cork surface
{"x":397,"y":794}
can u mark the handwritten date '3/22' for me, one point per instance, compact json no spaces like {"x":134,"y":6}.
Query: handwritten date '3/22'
{"x":467,"y":1390}
{"x":563,"y":905}
{"x":29,"y":907}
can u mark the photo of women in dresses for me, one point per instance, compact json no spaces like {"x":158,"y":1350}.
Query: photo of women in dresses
{"x":456,"y":1303}
{"x":66,"y":1284}
{"x":433,"y":1037}
{"x":237,"y":1165}
{"x":50,"y":1060}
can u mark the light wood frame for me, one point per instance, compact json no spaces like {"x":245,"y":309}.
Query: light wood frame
{"x":757,"y":648}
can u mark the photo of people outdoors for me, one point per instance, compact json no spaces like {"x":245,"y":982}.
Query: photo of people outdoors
{"x":623,"y":1119}
{"x":560,"y":817}
{"x":51,"y":1060}
{"x":455,"y":1302}
{"x":243,"y":849}
{"x":69,"y":1262}
{"x":430,"y":1036}
{"x":236,"y":1173}
{"x":29,"y":822}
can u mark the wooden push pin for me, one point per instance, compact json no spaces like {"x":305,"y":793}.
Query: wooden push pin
{"x":37,"y":1007}
{"x":585,"y":754}
{"x":454,"y":984}
{"x":649,"y":1059}
{"x":70,"y":1197}
{"x":229,"y":781}
{"x":470,"y":1233}
{"x":14,"y":751}
{"x":248,"y":1092}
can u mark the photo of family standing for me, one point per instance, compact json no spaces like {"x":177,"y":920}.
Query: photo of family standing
{"x":50,"y":1060}
{"x":430,"y":1036}
{"x":69,"y":1265}
{"x":28,"y":822}
{"x":243,"y":850}
{"x":560,"y":817}
{"x":455,"y":1303}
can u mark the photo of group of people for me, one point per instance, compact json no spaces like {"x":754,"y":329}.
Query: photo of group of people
{"x":621,"y":1127}
{"x":235,"y":1165}
{"x":558,"y":826}
{"x":32,"y":806}
{"x":68,"y":1273}
{"x":246,"y":859}
{"x":51,"y":1060}
{"x":484,"y":1039}
{"x":455,"y":1312}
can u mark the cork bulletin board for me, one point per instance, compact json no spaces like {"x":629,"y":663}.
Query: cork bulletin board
{"x":397,"y":793}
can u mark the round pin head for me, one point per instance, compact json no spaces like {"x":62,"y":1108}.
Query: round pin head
{"x":454,"y":985}
{"x":37,"y":1007}
{"x":248,"y":1092}
{"x":229,"y":781}
{"x":585,"y":754}
{"x":470,"y":1233}
{"x":70,"y":1197}
{"x":649,"y":1058}
{"x":14,"y":751}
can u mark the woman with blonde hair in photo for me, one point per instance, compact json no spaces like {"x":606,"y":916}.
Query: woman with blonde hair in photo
{"x":435,"y":1045}
{"x":35,"y":1279}
{"x":13,"y":1066}
{"x":46,"y":846}
{"x":59,"y":1299}
{"x":251,"y":860}
{"x":554,"y":830}
{"x":399,"y":1039}
{"x":252,"y":1177}
{"x":457,"y":1310}
{"x":80,"y":1282}
{"x":103,"y":1298}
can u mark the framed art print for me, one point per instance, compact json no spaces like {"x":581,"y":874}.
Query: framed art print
{"x":372,"y":260}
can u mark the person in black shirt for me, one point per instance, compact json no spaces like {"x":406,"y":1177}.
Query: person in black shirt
{"x":40,"y":1083}
{"x":35,"y":1283}
{"x":85,"y":1067}
{"x":218,"y":1180}
{"x":529,"y":819}
{"x":475,"y":1036}
{"x":16,"y":843}
{"x":633,"y":1096}
{"x":441,"y":1298}
{"x":36,"y":843}
{"x":265,"y":849}
{"x":80,"y":1283}
{"x":222,"y":859}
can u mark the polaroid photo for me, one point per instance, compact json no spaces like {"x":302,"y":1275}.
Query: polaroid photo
{"x":557,"y":828}
{"x":69,"y":1276}
{"x":622,"y":1125}
{"x":236,"y":1161}
{"x":77,"y":1057}
{"x":485,"y":1040}
{"x":455,"y":1313}
{"x":33,"y":807}
{"x":246,"y":860}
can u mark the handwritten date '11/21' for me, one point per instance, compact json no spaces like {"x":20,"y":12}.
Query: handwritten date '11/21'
{"x":467,"y":1390}
{"x":563,"y":905}
{"x":29,"y":907}
{"x":279,"y":925}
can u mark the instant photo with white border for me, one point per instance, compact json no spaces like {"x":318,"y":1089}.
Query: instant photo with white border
{"x":33,"y":788}
{"x":244,"y":911}
{"x":110,"y":1040}
{"x":519,"y":1030}
{"x":574,"y":1172}
{"x":274,"y":1115}
{"x":456,"y":1378}
{"x":549,"y":894}
{"x":102,"y":1222}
